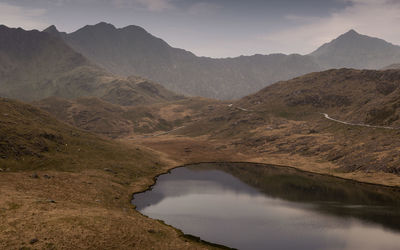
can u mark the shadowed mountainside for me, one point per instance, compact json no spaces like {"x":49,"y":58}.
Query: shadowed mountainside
{"x":133,"y":51}
{"x":35,"y":65}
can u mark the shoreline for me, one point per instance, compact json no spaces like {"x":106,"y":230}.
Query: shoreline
{"x":198,"y":239}
{"x":168,"y":171}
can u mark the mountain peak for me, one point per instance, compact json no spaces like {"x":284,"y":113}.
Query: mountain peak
{"x":354,"y":50}
{"x":351,"y":32}
{"x":99,"y":28}
{"x":51,"y":29}
{"x":104,"y":25}
{"x":134,"y":27}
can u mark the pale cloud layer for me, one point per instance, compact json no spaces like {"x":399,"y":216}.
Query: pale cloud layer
{"x":150,"y":5}
{"x":204,"y":9}
{"x":27,"y":18}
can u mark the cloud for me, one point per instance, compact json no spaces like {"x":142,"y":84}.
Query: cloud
{"x":16,"y":16}
{"x":371,"y":17}
{"x":148,"y":5}
{"x":198,"y":7}
{"x":203,"y":9}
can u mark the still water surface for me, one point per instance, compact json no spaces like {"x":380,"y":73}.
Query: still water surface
{"x":253,"y":206}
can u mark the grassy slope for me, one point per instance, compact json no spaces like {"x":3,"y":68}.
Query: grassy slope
{"x":284,"y":119}
{"x":34,"y":140}
{"x":90,"y":180}
{"x":366,"y":96}
{"x":96,"y":115}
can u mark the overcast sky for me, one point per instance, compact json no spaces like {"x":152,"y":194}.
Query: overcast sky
{"x":219,"y":28}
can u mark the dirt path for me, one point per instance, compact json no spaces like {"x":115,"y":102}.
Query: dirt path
{"x":356,"y":124}
{"x":155,"y":135}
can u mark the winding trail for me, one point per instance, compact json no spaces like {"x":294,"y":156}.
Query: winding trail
{"x":336,"y":120}
{"x":155,"y":135}
{"x":356,"y":124}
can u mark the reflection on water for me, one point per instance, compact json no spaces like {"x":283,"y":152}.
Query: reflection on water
{"x":253,"y":206}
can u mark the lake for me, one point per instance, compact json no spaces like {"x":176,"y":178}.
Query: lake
{"x":255,"y":206}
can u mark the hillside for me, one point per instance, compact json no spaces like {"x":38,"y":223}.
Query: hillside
{"x":133,"y":51}
{"x":357,"y":96}
{"x":101,"y":117}
{"x":286,"y":120}
{"x":37,"y":65}
{"x":63,"y":187}
{"x":33,"y":140}
{"x":353,"y":50}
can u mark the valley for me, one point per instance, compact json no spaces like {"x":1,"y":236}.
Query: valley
{"x":91,"y":117}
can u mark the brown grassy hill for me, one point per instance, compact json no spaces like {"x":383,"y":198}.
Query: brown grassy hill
{"x":134,"y":90}
{"x":31,"y":138}
{"x":285,"y":119}
{"x":370,"y":97}
{"x":37,"y":65}
{"x":62,"y":187}
{"x":102,"y":117}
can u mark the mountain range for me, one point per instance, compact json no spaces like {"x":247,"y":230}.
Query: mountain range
{"x":103,"y":61}
{"x":134,"y":51}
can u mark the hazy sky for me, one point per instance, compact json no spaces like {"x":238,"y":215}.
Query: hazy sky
{"x":219,"y":28}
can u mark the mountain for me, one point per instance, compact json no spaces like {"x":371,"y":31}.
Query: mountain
{"x":133,"y":51}
{"x":36,"y":65}
{"x":353,"y":50}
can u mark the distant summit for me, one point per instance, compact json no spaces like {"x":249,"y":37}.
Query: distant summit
{"x":52,"y":30}
{"x":103,"y":26}
{"x":351,"y":33}
{"x":353,"y":50}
